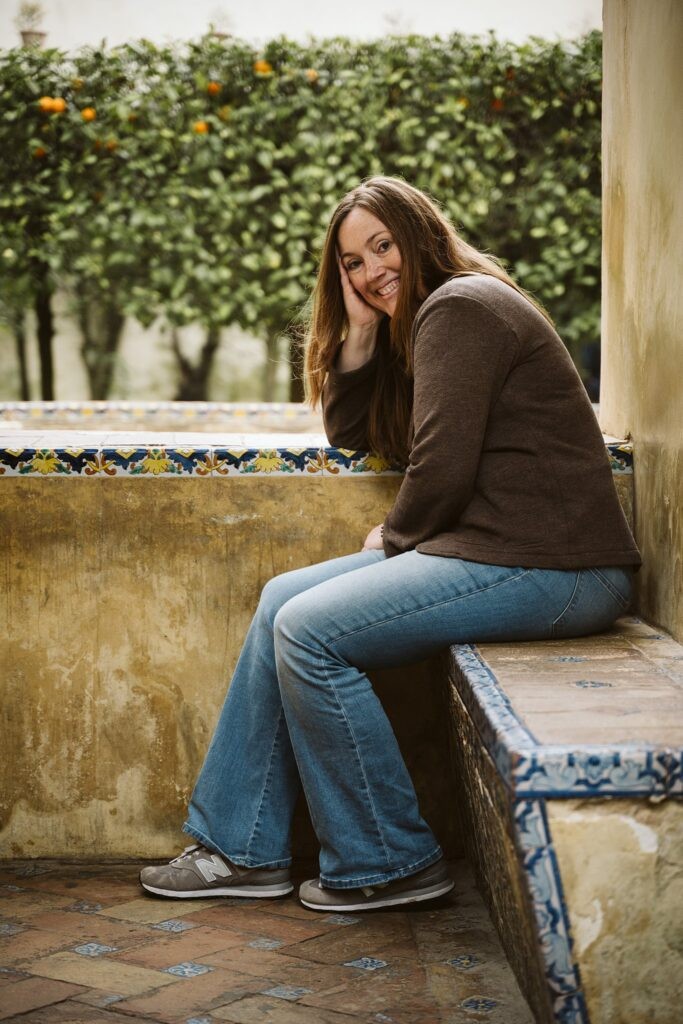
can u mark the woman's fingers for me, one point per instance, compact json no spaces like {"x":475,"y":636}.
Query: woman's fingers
{"x":358,"y":310}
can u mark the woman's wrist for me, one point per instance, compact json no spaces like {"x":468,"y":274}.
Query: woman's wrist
{"x":358,"y":348}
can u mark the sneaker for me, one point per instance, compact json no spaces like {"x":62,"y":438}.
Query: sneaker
{"x":199,"y":872}
{"x":427,"y":884}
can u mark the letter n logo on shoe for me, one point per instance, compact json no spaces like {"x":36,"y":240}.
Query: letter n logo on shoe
{"x":213,"y":868}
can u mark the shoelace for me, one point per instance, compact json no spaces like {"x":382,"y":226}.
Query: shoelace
{"x":186,"y":852}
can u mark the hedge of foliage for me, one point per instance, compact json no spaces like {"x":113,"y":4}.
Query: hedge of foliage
{"x":194,"y":181}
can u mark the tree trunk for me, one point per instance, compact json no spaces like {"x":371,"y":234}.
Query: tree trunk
{"x":194,"y":379}
{"x":101,"y":327}
{"x":20,"y":341}
{"x":296,"y":368}
{"x":43,"y":308}
{"x":270,"y":368}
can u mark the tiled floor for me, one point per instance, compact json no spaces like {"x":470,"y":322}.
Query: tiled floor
{"x":81,"y":943}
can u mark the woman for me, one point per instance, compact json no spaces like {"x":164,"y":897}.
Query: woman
{"x":506,"y":527}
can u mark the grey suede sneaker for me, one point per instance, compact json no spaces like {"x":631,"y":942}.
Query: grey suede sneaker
{"x":200,"y":873}
{"x":427,"y":884}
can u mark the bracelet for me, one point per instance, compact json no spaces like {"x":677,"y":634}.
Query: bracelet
{"x":381,"y":530}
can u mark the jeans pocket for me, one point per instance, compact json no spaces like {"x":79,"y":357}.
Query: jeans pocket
{"x":600,"y":596}
{"x":617,"y":581}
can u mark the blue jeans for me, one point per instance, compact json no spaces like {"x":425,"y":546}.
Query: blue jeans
{"x":301,"y":709}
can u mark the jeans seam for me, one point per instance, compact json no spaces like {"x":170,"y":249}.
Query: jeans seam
{"x":265,"y":783}
{"x":428,"y":607}
{"x":357,"y":753}
{"x":568,"y":604}
{"x":624,"y":602}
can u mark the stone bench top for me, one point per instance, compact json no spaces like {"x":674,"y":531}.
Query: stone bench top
{"x":154,"y":453}
{"x":595,"y":716}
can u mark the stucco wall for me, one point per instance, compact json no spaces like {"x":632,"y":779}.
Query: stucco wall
{"x":123,"y":607}
{"x":643,"y":281}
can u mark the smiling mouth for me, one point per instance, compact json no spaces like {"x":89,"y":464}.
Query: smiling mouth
{"x":388,"y":289}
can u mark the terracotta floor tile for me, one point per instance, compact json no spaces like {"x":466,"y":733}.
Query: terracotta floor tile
{"x":164,"y":950}
{"x":25,"y":904}
{"x":401,"y":984}
{"x":289,"y":907}
{"x":30,"y":944}
{"x":101,"y":972}
{"x":353,"y":942}
{"x":259,"y":1009}
{"x":317,"y":977}
{"x":270,"y":926}
{"x":193,"y":996}
{"x":91,"y":928}
{"x":449,"y":988}
{"x":72,"y":1011}
{"x":259,"y":962}
{"x":32,"y":993}
{"x":147,"y":910}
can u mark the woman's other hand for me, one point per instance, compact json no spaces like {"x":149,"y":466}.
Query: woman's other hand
{"x":374,"y":539}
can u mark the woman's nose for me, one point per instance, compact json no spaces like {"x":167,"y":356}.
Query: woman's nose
{"x":375,"y":267}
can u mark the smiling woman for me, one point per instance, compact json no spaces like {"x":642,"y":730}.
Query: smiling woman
{"x":423,"y":347}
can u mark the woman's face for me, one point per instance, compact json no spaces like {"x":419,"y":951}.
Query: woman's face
{"x":371,"y":257}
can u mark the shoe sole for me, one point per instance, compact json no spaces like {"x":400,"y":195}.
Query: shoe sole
{"x":408,"y":896}
{"x":258,"y":891}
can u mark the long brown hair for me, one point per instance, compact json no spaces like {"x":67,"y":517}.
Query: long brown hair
{"x":431,"y":252}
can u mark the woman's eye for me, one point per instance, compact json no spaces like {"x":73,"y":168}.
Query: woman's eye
{"x":352,"y":265}
{"x":384,"y":245}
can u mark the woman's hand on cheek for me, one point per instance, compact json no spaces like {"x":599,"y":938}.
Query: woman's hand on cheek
{"x":374,"y":539}
{"x":362,"y":316}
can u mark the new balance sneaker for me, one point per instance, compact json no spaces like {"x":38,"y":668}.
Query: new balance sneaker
{"x":427,"y":884}
{"x":199,"y":873}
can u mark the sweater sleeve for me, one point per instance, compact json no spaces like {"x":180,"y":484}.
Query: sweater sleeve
{"x":345,"y":404}
{"x":462,"y":355}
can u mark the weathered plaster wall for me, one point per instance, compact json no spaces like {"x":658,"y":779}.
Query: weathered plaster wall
{"x":641,"y":391}
{"x":123,"y":606}
{"x":622,"y":870}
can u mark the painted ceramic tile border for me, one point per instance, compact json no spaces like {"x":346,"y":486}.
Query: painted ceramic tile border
{"x":155,"y":462}
{"x":27,"y":457}
{"x":553,"y":931}
{"x":531,"y":769}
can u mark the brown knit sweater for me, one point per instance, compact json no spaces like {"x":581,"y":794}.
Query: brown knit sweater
{"x":507,"y":464}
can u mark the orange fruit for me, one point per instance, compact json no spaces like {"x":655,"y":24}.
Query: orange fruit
{"x":88,"y":113}
{"x":312,"y":75}
{"x":213,"y":88}
{"x":111,"y":145}
{"x":200,"y":127}
{"x":263,"y":67}
{"x":76,"y":84}
{"x":45,"y":104}
{"x":39,"y":152}
{"x":58,"y":105}
{"x":497,"y":104}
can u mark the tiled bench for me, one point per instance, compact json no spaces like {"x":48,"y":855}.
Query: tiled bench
{"x":568,"y":756}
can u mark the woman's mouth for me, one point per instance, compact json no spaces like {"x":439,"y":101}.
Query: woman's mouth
{"x":388,"y":289}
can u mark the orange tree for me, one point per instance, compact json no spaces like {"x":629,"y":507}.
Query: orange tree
{"x":32,"y":143}
{"x":193,"y":182}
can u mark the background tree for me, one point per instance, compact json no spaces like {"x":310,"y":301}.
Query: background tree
{"x":192,"y":183}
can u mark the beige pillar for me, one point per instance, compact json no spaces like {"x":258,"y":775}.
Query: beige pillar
{"x":642,"y":333}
